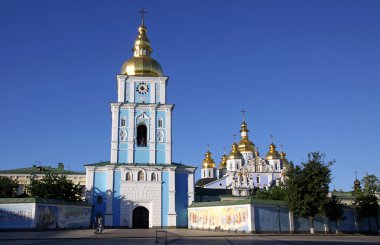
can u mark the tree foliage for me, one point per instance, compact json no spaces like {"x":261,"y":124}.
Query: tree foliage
{"x":365,"y":200}
{"x":308,"y":186}
{"x":8,"y":187}
{"x":334,"y":210}
{"x":274,"y":193}
{"x":55,"y":187}
{"x":371,"y":184}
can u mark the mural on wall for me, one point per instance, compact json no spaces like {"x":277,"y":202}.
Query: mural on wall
{"x":47,"y":217}
{"x":225,"y":218}
{"x":74,"y":217}
{"x":19,"y":216}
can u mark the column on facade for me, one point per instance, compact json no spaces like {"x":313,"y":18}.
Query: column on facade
{"x":152,"y":138}
{"x":109,"y":196}
{"x":90,"y":172}
{"x":190,"y":186}
{"x":121,"y":89}
{"x":168,"y":135}
{"x":115,"y":110}
{"x":172,"y":215}
{"x":131,"y":134}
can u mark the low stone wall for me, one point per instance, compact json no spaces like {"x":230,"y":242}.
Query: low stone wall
{"x":38,"y":213}
{"x":267,"y":216}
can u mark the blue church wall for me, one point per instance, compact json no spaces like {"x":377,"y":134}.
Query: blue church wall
{"x":100,"y":184}
{"x":270,"y":219}
{"x":142,"y":156}
{"x":302,"y":224}
{"x":165,"y":198}
{"x":116,"y":198}
{"x":161,"y":154}
{"x":181,"y":201}
{"x":123,"y":156}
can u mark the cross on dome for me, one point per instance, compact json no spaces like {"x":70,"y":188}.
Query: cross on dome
{"x":142,"y":12}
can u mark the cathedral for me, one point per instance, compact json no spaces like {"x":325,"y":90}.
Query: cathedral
{"x":244,"y":169}
{"x":141,"y":187}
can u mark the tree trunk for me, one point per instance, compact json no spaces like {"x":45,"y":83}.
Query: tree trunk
{"x":312,"y":225}
{"x":336,"y":228}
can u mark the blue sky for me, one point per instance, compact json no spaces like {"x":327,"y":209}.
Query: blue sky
{"x":306,"y":72}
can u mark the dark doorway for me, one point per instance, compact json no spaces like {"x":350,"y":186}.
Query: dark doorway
{"x":141,"y":135}
{"x":140,"y":218}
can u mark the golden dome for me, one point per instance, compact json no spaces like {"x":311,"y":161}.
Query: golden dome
{"x":141,"y":64}
{"x":223,"y":163}
{"x":208,"y":162}
{"x":245,"y":144}
{"x":357,"y":182}
{"x":272,"y":153}
{"x":285,"y":162}
{"x":235,"y":153}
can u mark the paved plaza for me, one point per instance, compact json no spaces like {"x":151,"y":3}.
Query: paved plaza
{"x":174,"y":236}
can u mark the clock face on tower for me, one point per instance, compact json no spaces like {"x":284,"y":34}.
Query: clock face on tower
{"x":142,"y":88}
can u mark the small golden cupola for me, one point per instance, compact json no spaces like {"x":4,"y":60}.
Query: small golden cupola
{"x":245,"y":144}
{"x":208,"y":162}
{"x":235,"y":153}
{"x":272,"y":153}
{"x":223,"y":163}
{"x":285,"y":162}
{"x":141,"y":64}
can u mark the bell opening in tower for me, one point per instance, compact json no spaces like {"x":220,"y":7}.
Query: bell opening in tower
{"x":141,"y":135}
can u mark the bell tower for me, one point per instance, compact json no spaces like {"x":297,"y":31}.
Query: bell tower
{"x":141,"y":119}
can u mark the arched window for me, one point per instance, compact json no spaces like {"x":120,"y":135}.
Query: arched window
{"x":154,"y":177}
{"x":140,"y":176}
{"x":123,"y":122}
{"x":141,"y":135}
{"x":160,"y":123}
{"x":129,"y":176}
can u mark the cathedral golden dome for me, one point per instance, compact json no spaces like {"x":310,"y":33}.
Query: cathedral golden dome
{"x":235,"y":153}
{"x":272,"y":153}
{"x":208,"y":162}
{"x":245,"y":144}
{"x":141,"y":64}
{"x":285,"y":161}
{"x":223,"y":163}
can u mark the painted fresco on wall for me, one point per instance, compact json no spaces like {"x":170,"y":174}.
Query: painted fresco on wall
{"x":16,"y":216}
{"x":225,"y":218}
{"x":47,"y":217}
{"x":74,"y":217}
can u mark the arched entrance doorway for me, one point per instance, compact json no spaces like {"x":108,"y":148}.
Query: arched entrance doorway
{"x":140,"y":218}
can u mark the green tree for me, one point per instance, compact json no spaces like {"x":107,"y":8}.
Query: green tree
{"x":307,"y":187}
{"x":366,"y":201}
{"x":371,"y":184}
{"x":55,"y":186}
{"x":334,"y":211}
{"x":7,"y":187}
{"x":274,"y":193}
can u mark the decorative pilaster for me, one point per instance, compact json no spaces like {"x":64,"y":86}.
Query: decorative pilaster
{"x":172,"y":215}
{"x":108,"y":216}
{"x":90,"y":172}
{"x":131,"y":134}
{"x":190,"y":188}
{"x":169,"y":136}
{"x":153,"y":136}
{"x":115,"y":131}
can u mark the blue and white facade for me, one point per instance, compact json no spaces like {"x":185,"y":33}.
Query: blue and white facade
{"x":140,"y":183}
